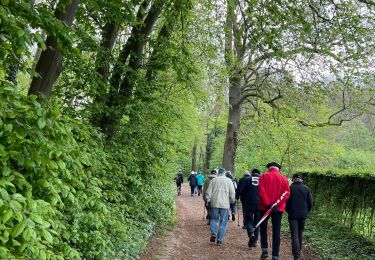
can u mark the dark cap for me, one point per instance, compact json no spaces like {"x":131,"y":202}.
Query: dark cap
{"x":273,"y":164}
{"x":255,"y":172}
{"x":297,"y":176}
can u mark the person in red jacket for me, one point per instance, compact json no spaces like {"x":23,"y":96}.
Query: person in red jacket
{"x":271,"y":185}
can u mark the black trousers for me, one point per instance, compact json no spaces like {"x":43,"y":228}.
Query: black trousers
{"x":296,"y":229}
{"x":192,"y":188}
{"x":199,"y":189}
{"x":276,"y":226}
{"x":251,"y":218}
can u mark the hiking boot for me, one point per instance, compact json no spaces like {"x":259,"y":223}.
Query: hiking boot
{"x":219,"y":243}
{"x":213,"y":238}
{"x":252,"y":242}
{"x":233,"y":217}
{"x":264,"y":254}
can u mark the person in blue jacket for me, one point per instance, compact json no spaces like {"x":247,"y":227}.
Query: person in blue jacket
{"x":200,"y":182}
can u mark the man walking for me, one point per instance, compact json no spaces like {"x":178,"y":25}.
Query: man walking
{"x":240,"y":185}
{"x":271,"y":186}
{"x":220,"y":194}
{"x":179,"y":181}
{"x":250,"y":199}
{"x":205,"y":187}
{"x":298,"y":206}
{"x":192,"y":182}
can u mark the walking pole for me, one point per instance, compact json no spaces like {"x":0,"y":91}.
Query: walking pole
{"x":269,"y":211}
{"x":238,"y":214}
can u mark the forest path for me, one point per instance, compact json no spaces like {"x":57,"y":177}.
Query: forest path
{"x":189,"y":238}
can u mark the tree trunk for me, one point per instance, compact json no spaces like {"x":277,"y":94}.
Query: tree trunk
{"x":194,"y":157}
{"x":109,"y":36}
{"x":138,"y":44}
{"x":50,"y":62}
{"x":234,"y":54}
{"x":233,"y":125}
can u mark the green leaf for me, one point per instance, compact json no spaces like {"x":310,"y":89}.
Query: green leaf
{"x":18,"y":229}
{"x":5,"y":2}
{"x":61,"y":164}
{"x":7,"y":215}
{"x":46,"y":235}
{"x":41,"y":122}
{"x":27,"y":234}
{"x":3,"y":252}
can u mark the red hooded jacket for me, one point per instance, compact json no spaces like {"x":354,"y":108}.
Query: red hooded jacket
{"x":271,"y":185}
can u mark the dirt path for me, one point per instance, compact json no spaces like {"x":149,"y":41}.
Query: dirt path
{"x":189,"y":238}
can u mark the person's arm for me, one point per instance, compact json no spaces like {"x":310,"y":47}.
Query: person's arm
{"x":208,"y":193}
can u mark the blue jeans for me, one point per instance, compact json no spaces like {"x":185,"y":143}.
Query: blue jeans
{"x":221,"y":216}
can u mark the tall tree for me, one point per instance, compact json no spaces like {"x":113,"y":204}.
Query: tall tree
{"x":276,"y":48}
{"x":50,"y":62}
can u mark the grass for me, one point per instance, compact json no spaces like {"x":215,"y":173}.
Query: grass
{"x":332,"y":241}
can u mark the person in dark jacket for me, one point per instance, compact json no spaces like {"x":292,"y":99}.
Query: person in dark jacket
{"x":193,"y":182}
{"x":272,"y":185}
{"x":240,"y":184}
{"x":205,"y":187}
{"x":179,"y":181}
{"x":298,"y":206}
{"x":250,"y":199}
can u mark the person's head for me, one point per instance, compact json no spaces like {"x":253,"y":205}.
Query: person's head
{"x":246,"y":173}
{"x":214,"y":172}
{"x":228,"y":174}
{"x":192,"y":172}
{"x":297,"y":178}
{"x":255,"y":172}
{"x":221,"y":171}
{"x":273,"y":165}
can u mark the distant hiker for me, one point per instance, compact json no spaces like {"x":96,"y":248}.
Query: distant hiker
{"x":179,"y":181}
{"x":205,"y":187}
{"x":238,"y":192}
{"x":229,"y":175}
{"x":298,"y":206}
{"x":271,"y":186}
{"x":200,"y":182}
{"x":193,"y":182}
{"x":250,"y":200}
{"x":219,"y":194}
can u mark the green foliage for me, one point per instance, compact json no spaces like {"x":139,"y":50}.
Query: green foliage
{"x":65,"y":195}
{"x":333,"y":241}
{"x":345,"y":197}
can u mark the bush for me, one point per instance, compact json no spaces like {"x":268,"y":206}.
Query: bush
{"x":64,"y":194}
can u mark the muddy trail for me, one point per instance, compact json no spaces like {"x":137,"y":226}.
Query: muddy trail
{"x":189,"y":238}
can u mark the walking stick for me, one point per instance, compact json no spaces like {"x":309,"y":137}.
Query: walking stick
{"x":269,"y":211}
{"x":238,"y":214}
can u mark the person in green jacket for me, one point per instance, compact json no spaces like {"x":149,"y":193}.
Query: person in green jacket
{"x":200,"y":180}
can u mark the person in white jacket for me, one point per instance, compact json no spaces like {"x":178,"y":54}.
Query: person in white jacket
{"x":219,"y":195}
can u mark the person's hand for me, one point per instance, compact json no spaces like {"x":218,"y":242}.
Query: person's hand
{"x":275,"y":209}
{"x":208,"y":204}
